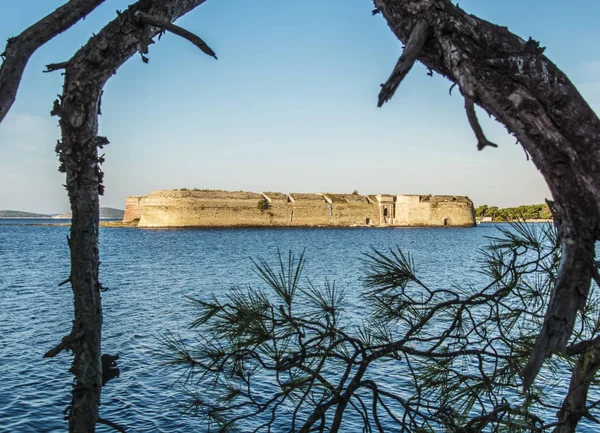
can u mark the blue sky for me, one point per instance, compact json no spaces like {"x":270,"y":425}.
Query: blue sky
{"x":289,"y":106}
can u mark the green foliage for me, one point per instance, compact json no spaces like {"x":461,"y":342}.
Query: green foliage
{"x":481,"y":211}
{"x":288,"y":357}
{"x":525,"y":212}
{"x":263,"y":204}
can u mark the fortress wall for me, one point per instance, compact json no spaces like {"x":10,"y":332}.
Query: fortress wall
{"x":355,"y":214}
{"x":454,"y":213}
{"x":133,"y":208}
{"x":183,"y":208}
{"x":203,"y":209}
{"x":188,"y":209}
{"x":310,"y":209}
{"x":344,"y":211}
{"x":210,"y":214}
{"x":442,"y":210}
{"x":412,"y":212}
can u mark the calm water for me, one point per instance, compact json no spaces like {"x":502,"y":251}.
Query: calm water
{"x":149,"y":273}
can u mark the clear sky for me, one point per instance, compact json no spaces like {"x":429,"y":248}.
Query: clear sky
{"x":289,"y":106}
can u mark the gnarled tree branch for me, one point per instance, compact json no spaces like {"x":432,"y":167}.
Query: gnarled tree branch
{"x":65,"y":344}
{"x":413,"y":48}
{"x":20,"y":48}
{"x":51,"y":67}
{"x":569,"y":296}
{"x":179,"y":31}
{"x":574,"y":406}
{"x":482,"y":141}
{"x":524,"y":90}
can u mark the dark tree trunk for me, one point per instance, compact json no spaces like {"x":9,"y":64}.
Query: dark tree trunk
{"x":79,"y":159}
{"x":20,"y":48}
{"x":574,"y":407}
{"x":86,"y":74}
{"x":512,"y":80}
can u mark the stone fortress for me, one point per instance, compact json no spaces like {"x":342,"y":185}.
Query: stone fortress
{"x":214,"y":208}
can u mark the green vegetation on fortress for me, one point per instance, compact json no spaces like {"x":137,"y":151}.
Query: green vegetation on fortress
{"x":216,"y":208}
{"x":525,"y":212}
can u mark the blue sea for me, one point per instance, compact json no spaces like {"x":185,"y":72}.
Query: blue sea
{"x":149,"y":274}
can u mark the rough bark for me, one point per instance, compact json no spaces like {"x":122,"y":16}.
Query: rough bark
{"x":414,"y":45}
{"x":513,"y":81}
{"x":20,"y":48}
{"x":574,"y":406}
{"x":78,"y":108}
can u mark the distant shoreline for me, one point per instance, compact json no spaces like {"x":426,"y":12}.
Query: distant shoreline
{"x":105,"y":213}
{"x":118,"y":224}
{"x":33,"y":218}
{"x":51,"y":218}
{"x":517,"y":221}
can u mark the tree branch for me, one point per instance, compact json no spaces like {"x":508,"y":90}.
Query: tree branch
{"x":20,"y":48}
{"x":568,"y":297}
{"x":111,"y":424}
{"x":94,"y":64}
{"x":574,"y":406}
{"x":51,"y":67}
{"x":179,"y":31}
{"x":482,"y":141}
{"x":413,"y":48}
{"x":583,"y":346}
{"x":65,"y":344}
{"x":523,"y":95}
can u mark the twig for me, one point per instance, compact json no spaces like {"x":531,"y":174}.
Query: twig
{"x":451,"y":87}
{"x":51,"y":67}
{"x":413,"y":48}
{"x":179,"y":31}
{"x":117,"y":427}
{"x":482,"y":141}
{"x":68,"y":280}
{"x":65,"y":344}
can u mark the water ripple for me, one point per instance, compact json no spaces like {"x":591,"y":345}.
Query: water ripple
{"x":149,"y":273}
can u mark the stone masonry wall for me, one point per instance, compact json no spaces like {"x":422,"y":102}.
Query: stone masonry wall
{"x":184,"y":208}
{"x":419,"y":210}
{"x":238,"y":209}
{"x":133,"y":208}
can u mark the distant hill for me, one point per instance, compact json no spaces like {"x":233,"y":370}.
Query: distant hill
{"x":111,"y":213}
{"x":20,"y":214}
{"x":105,"y":213}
